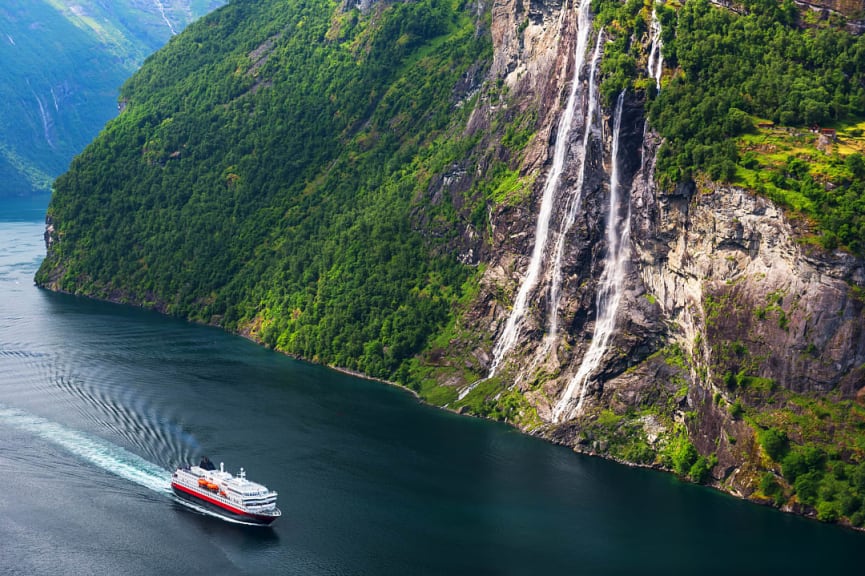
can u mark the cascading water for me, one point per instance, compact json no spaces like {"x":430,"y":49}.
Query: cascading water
{"x":656,"y":58}
{"x":609,"y":286}
{"x":576,"y":200}
{"x":511,"y":331}
{"x":161,"y":8}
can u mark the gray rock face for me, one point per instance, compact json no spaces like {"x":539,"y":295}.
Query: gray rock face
{"x":716,"y":273}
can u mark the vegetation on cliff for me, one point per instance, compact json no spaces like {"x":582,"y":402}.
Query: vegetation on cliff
{"x":736,"y":69}
{"x":765,"y":101}
{"x":733,"y":75}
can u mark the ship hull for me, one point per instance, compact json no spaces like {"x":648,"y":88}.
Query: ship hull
{"x":231,"y":513}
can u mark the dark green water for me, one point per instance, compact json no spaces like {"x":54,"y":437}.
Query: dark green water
{"x":98,"y":401}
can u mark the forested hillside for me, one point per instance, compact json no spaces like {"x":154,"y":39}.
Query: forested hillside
{"x":63,"y":64}
{"x":263,"y":173}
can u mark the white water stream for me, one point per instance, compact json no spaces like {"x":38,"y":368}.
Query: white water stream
{"x":656,"y":58}
{"x":591,"y":127}
{"x":513,"y":325}
{"x":161,"y":8}
{"x":609,"y":286}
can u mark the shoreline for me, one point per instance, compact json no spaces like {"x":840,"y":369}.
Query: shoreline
{"x":795,"y":509}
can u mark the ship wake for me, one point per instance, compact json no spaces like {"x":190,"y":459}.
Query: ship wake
{"x":101,"y":453}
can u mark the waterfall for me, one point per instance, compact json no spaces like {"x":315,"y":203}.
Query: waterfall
{"x":511,"y":332}
{"x":590,"y":127}
{"x":161,"y":8}
{"x":656,"y":58}
{"x":609,"y":286}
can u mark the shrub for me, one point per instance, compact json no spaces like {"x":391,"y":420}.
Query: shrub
{"x":680,"y":454}
{"x":850,"y":503}
{"x":774,"y":442}
{"x":802,"y":460}
{"x":701,"y":469}
{"x":736,"y":409}
{"x":827,"y":511}
{"x":807,"y":486}
{"x":858,"y":477}
{"x":768,"y":485}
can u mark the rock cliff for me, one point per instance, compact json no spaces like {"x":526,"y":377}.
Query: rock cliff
{"x":724,"y":309}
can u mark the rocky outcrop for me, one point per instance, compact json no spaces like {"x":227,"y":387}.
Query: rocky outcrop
{"x":847,"y":13}
{"x":853,"y":9}
{"x":747,"y":299}
{"x":721,"y":290}
{"x":726,"y":264}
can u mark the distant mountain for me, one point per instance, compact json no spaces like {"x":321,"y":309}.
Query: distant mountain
{"x":63,"y":62}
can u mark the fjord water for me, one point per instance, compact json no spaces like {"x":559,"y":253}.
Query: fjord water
{"x":370,"y":481}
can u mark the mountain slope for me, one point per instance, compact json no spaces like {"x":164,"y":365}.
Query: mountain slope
{"x":285,"y":213}
{"x":63,"y":63}
{"x":612,"y":225}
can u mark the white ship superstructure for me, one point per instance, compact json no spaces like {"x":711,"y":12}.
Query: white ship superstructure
{"x":232,"y":496}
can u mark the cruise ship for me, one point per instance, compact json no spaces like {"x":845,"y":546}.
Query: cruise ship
{"x":232,"y":497}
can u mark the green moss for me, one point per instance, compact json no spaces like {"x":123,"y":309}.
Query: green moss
{"x":520,"y":131}
{"x":437,"y":395}
{"x":481,"y":399}
{"x":679,"y":454}
{"x":509,"y":188}
{"x":675,"y":356}
{"x":623,"y":436}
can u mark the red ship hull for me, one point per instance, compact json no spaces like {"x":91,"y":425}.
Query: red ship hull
{"x":221,"y":508}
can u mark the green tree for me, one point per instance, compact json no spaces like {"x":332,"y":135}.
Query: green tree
{"x":774,"y":442}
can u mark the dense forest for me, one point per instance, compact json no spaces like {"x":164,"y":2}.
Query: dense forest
{"x":261,"y":175}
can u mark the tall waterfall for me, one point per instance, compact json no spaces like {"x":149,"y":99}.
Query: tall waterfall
{"x":511,"y":332}
{"x":576,"y":200}
{"x":656,"y":58}
{"x":609,"y":286}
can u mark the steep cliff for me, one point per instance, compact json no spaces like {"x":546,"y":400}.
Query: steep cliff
{"x":730,"y":326}
{"x":494,"y":205}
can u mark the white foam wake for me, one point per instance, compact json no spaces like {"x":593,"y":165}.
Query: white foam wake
{"x":96,"y":451}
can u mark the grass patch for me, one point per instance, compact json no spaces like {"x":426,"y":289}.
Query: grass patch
{"x":810,"y":175}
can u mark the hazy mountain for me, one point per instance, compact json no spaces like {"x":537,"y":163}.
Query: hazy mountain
{"x":61,"y":65}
